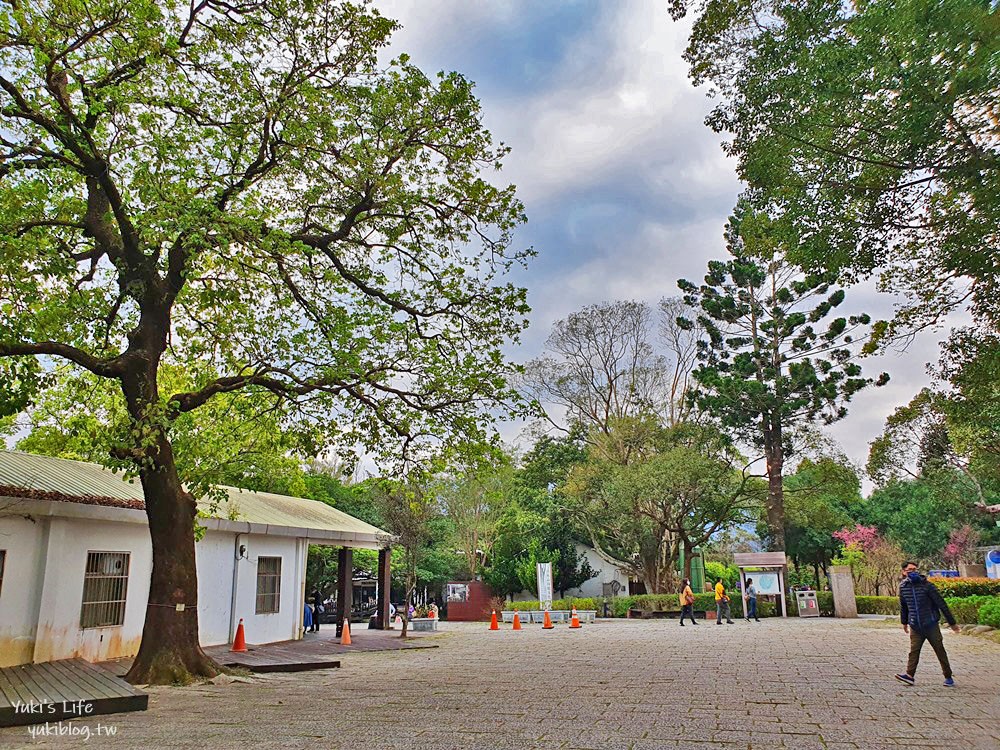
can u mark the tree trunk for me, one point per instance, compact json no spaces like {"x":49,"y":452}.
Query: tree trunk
{"x":170,"y":651}
{"x":775,"y":494}
{"x":688,"y":551}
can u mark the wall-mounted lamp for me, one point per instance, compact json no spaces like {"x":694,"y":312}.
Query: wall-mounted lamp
{"x":242,"y":553}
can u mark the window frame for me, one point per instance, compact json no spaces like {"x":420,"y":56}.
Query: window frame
{"x":104,"y":612}
{"x":268,"y":594}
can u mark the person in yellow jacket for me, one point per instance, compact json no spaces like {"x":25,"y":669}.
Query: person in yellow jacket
{"x":722,"y":604}
{"x":687,"y":602}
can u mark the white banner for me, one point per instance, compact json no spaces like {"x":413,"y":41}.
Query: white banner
{"x":544,"y":573}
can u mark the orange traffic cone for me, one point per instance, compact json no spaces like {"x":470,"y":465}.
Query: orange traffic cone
{"x":240,"y":641}
{"x":493,"y":621}
{"x":345,"y":634}
{"x":547,"y":621}
{"x":574,"y":620}
{"x":517,"y":621}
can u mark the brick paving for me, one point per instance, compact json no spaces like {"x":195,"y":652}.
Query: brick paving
{"x":609,"y":686}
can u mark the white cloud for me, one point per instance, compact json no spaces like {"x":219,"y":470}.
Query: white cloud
{"x":625,"y":187}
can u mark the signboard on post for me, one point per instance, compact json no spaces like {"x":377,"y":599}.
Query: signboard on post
{"x":766,"y":583}
{"x":544,"y":573}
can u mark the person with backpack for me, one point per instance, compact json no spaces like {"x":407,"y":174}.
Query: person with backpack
{"x":920,"y":610}
{"x":687,"y":602}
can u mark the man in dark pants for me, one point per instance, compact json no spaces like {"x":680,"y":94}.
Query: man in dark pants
{"x":317,"y":601}
{"x":920,"y":610}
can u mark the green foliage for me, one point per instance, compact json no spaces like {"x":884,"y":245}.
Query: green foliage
{"x":679,"y":487}
{"x":918,"y":514}
{"x":989,"y":613}
{"x":871,"y":127}
{"x":821,"y":497}
{"x":966,"y":608}
{"x":878,"y":605}
{"x":235,"y":439}
{"x":770,"y":366}
{"x":729,"y":574}
{"x":962,"y":587}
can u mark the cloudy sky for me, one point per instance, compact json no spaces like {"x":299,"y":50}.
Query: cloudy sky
{"x":626,"y":189}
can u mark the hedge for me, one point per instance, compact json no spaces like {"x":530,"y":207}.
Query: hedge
{"x":962,"y":587}
{"x":878,"y":605}
{"x":989,"y":613}
{"x":966,"y":609}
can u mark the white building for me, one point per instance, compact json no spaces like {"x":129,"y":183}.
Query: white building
{"x":75,"y":561}
{"x":609,"y":579}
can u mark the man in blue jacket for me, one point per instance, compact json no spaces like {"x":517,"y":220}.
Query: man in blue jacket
{"x":920,"y":610}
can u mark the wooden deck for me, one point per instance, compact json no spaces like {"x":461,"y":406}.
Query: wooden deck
{"x":316,"y":651}
{"x":59,"y":690}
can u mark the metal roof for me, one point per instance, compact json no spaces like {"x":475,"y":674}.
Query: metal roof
{"x":65,"y":477}
{"x":59,"y":479}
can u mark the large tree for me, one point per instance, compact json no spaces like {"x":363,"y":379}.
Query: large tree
{"x":874,"y":126}
{"x":771,"y":365}
{"x":242,"y":190}
{"x":680,"y":490}
{"x":599,"y":367}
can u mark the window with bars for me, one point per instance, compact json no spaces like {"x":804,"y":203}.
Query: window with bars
{"x":268,"y":584}
{"x":105,"y":584}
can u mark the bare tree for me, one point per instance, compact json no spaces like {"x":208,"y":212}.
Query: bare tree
{"x":599,"y":367}
{"x":681,"y":344}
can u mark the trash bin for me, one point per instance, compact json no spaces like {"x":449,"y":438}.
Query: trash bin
{"x":808,"y":605}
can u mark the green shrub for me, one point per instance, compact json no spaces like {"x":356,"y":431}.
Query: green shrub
{"x":878,"y":605}
{"x":621,"y":605}
{"x":966,"y":608}
{"x":989,"y":613}
{"x":730,"y":574}
{"x":962,"y":587}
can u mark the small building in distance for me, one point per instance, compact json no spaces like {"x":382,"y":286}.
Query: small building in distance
{"x":76,"y":558}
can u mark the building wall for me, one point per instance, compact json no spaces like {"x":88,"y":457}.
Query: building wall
{"x":42,"y":591}
{"x":606,"y":573}
{"x":59,"y":635}
{"x":215,"y":555}
{"x":285,"y":624}
{"x":23,"y":541}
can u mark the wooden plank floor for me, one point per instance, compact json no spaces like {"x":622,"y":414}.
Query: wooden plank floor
{"x":59,"y":690}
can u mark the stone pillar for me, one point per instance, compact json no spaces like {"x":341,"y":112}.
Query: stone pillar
{"x":842,"y":586}
{"x":382,"y":619}
{"x":345,"y":592}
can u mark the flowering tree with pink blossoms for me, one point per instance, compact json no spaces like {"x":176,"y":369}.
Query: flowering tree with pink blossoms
{"x":874,"y":560}
{"x":961,"y":546}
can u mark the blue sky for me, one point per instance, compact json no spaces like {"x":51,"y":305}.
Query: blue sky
{"x":625,"y":188}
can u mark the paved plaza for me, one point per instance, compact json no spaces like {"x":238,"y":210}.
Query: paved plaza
{"x":609,"y":686}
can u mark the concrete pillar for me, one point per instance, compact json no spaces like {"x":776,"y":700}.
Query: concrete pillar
{"x":842,"y":586}
{"x":382,"y":620}
{"x":971,"y":570}
{"x":345,"y":592}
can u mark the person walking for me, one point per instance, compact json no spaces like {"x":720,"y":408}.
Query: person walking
{"x":920,"y":610}
{"x":722,"y":604}
{"x":317,"y":601}
{"x":687,"y":602}
{"x":751,"y":601}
